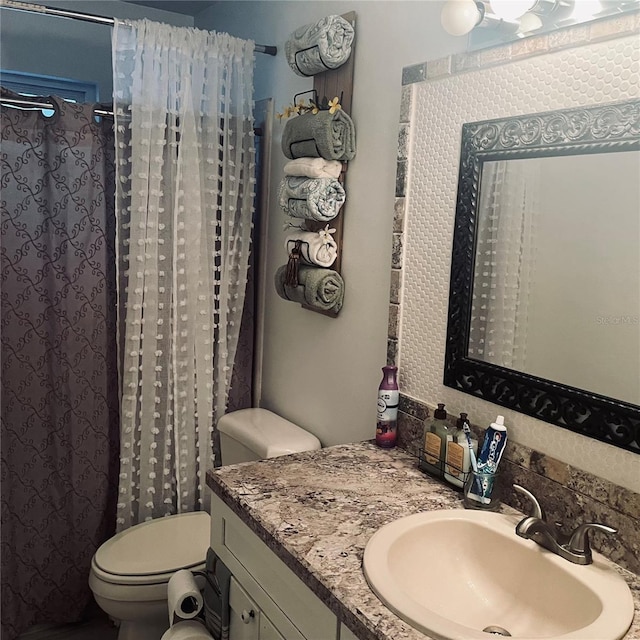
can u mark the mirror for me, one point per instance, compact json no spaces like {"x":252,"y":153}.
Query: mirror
{"x":544,"y":299}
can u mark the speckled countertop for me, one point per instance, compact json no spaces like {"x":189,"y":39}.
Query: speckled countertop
{"x":317,"y":511}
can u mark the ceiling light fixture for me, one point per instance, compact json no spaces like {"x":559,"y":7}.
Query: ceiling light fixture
{"x":458,"y":17}
{"x":586,"y":9}
{"x":511,"y":9}
{"x":529,"y":23}
{"x":505,"y":20}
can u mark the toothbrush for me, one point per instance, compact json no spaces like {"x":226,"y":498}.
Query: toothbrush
{"x":472,"y":455}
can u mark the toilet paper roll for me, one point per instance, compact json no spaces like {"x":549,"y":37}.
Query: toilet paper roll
{"x":183,"y":596}
{"x":187,"y":630}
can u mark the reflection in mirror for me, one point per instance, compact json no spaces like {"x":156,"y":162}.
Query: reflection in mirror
{"x":556,"y":284}
{"x":544,"y":298}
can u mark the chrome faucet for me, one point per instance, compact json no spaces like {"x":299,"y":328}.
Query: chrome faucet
{"x":574,"y":548}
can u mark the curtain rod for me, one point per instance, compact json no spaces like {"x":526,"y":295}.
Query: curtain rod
{"x":42,"y":103}
{"x":89,"y":17}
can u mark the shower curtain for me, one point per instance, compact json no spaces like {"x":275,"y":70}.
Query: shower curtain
{"x":505,"y":262}
{"x":59,"y":370}
{"x":184,"y":203}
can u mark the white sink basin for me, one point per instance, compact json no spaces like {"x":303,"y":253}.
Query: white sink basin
{"x":452,"y":574}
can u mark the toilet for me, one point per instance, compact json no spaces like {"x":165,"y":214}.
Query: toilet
{"x":129,"y":573}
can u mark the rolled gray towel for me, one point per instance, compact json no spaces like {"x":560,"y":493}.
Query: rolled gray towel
{"x":319,"y":47}
{"x":311,"y":198}
{"x":319,"y":288}
{"x":331,"y":136}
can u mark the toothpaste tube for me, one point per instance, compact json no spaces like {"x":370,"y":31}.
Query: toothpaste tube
{"x":489,"y":458}
{"x":493,"y":446}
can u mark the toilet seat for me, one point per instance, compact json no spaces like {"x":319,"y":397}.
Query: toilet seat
{"x":151,"y":552}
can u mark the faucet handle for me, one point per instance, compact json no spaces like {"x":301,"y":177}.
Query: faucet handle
{"x":537,"y":509}
{"x":579,"y":540}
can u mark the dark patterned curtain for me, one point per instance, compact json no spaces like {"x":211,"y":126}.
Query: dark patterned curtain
{"x":59,"y":379}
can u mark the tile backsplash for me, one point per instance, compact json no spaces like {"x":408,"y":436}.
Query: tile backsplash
{"x":568,"y":495}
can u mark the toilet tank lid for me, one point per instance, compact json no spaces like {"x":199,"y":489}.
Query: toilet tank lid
{"x":157,"y":546}
{"x":266,"y":434}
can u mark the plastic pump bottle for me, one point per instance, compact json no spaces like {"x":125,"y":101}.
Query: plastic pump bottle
{"x":434,"y":443}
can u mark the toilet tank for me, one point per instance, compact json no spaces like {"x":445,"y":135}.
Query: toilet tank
{"x":255,"y":434}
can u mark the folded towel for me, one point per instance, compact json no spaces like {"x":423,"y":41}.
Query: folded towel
{"x":319,"y":47}
{"x":313,"y":168}
{"x":316,"y":248}
{"x":331,"y":136}
{"x":311,"y":198}
{"x":322,"y":289}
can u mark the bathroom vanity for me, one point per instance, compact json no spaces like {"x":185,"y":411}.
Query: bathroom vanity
{"x":293,"y":529}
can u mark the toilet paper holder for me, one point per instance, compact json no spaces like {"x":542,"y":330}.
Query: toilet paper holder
{"x":212,"y":580}
{"x":184,"y":595}
{"x":185,"y":600}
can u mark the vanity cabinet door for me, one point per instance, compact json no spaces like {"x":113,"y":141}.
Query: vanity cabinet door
{"x":346,"y":634}
{"x":293,"y":609}
{"x":247,"y":621}
{"x":268,"y":631}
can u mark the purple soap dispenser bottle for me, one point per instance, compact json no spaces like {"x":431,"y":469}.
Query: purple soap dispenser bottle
{"x":388,"y":399}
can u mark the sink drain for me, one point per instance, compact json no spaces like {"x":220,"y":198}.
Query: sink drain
{"x":495,"y":630}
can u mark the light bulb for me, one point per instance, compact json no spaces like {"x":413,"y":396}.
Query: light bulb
{"x":511,"y":9}
{"x":458,"y":17}
{"x":529,"y":22}
{"x":585,"y":10}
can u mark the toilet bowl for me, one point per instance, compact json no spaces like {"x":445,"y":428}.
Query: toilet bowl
{"x":129,"y":573}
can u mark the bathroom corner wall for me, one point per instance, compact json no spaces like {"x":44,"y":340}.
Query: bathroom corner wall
{"x":588,"y":64}
{"x":567,"y":494}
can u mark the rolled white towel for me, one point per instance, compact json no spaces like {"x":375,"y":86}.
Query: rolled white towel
{"x":313,"y":168}
{"x":316,"y":248}
{"x":319,"y":47}
{"x":311,"y":198}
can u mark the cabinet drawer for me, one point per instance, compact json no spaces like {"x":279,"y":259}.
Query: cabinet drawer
{"x":233,"y":541}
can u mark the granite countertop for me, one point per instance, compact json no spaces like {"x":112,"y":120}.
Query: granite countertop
{"x":317,"y":511}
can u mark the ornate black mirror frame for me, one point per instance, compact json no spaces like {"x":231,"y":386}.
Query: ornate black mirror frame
{"x":598,"y":129}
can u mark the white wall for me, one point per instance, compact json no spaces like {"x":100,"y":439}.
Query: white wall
{"x":320,"y":372}
{"x":64,"y":48}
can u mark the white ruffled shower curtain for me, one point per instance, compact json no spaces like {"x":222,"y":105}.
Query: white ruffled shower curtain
{"x":505,"y":262}
{"x":185,"y":162}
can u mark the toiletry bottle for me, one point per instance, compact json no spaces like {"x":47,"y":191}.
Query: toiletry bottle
{"x":435,"y":442}
{"x":388,"y":399}
{"x":458,"y":458}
